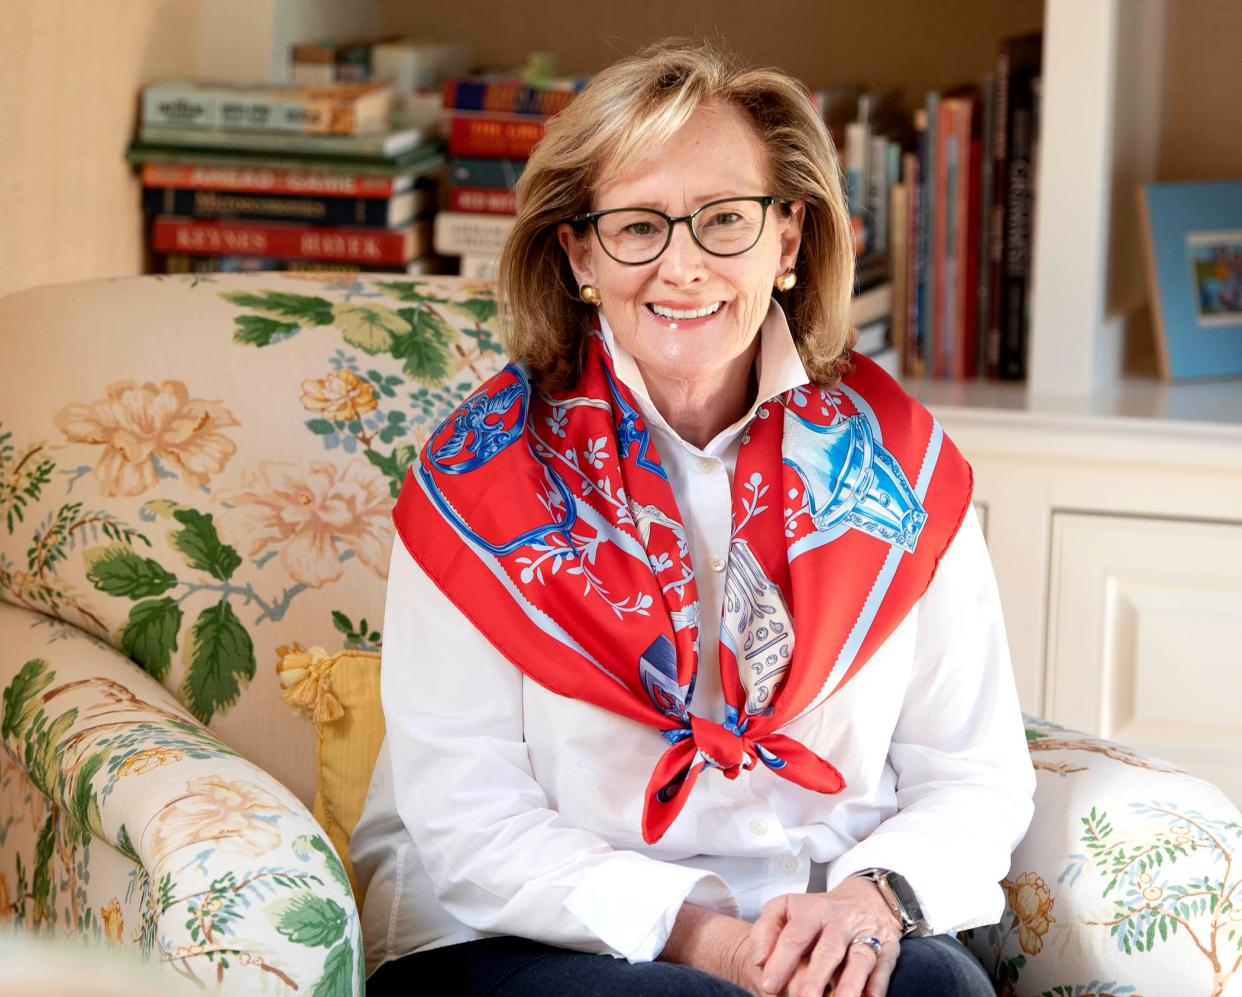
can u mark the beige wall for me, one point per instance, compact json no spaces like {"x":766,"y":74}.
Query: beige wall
{"x":70,"y":71}
{"x":1201,"y":138}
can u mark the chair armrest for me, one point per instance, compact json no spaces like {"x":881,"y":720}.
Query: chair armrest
{"x":1125,"y":877}
{"x":245,"y":884}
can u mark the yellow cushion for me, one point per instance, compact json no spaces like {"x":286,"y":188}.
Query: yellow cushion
{"x":341,"y":694}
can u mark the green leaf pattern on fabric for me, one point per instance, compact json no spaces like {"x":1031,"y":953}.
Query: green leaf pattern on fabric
{"x":200,"y":545}
{"x":221,"y":655}
{"x":308,"y":919}
{"x":119,"y":570}
{"x":149,"y":636}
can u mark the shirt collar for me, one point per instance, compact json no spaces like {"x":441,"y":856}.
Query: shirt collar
{"x":778,"y":368}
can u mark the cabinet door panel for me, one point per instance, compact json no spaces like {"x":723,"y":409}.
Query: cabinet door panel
{"x":1145,"y":637}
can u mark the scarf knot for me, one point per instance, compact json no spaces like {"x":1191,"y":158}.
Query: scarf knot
{"x":724,"y":745}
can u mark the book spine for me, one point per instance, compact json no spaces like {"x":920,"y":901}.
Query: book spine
{"x":929,"y":315}
{"x":262,"y":180}
{"x":983,"y":281}
{"x":301,"y":242}
{"x":377,"y":144}
{"x":501,"y":174}
{"x":968,"y":354}
{"x":317,"y":210}
{"x":1018,"y":226}
{"x":919,"y":224}
{"x":457,"y":234}
{"x":312,"y":112}
{"x":483,"y":200}
{"x":184,"y":263}
{"x":479,"y":266}
{"x":942,"y":243}
{"x":877,"y":193}
{"x":910,"y":175}
{"x":899,"y":227}
{"x":996,"y":233}
{"x":503,"y":138}
{"x":963,"y":284}
{"x":856,"y":143}
{"x":505,"y":97}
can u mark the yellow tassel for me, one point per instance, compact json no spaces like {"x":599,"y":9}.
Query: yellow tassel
{"x":305,"y":677}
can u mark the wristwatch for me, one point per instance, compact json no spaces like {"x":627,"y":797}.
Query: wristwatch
{"x":899,"y":896}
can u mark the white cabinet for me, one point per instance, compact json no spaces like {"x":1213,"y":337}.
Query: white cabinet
{"x":1145,"y":637}
{"x":1116,"y":536}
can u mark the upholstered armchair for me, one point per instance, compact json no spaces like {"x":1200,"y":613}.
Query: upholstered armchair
{"x":196,"y":475}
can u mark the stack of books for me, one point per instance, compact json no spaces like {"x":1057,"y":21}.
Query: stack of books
{"x":272,"y":177}
{"x":942,"y":207}
{"x":493,"y":124}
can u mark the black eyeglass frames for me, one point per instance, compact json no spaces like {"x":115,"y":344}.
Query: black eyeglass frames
{"x":727,"y":227}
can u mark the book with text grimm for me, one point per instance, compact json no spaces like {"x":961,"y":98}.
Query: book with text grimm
{"x":331,"y":109}
{"x":200,"y":237}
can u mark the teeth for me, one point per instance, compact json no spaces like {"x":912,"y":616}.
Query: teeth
{"x":687,"y":314}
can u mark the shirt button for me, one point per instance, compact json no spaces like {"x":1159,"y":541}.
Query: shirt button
{"x":759,"y":828}
{"x":789,"y":865}
{"x":705,"y":464}
{"x":718,"y":564}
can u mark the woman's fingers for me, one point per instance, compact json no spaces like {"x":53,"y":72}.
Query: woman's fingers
{"x":860,"y":961}
{"x":767,"y":928}
{"x":877,"y":983}
{"x":813,"y":975}
{"x":798,"y":934}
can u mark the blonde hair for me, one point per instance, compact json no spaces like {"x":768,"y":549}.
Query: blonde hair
{"x":627,"y":110}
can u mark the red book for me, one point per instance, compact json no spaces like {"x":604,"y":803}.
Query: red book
{"x":497,"y":136}
{"x":264,"y":180}
{"x":483,"y":200}
{"x":171,"y":234}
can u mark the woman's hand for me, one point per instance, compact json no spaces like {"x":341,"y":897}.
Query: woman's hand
{"x":801,"y":939}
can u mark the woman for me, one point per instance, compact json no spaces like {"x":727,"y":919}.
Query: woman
{"x":582,"y":763}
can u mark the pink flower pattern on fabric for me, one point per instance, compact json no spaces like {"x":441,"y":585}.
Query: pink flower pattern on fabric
{"x":139,"y":424}
{"x":238,"y":815}
{"x":313,"y":517}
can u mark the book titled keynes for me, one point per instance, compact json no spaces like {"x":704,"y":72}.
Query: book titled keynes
{"x":300,"y":242}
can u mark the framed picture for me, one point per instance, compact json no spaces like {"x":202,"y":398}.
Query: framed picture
{"x":1193,"y":236}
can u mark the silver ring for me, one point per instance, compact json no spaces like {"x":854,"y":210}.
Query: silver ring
{"x":870,"y":940}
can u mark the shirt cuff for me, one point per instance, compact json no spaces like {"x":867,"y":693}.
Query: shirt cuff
{"x":630,"y":902}
{"x":952,"y":897}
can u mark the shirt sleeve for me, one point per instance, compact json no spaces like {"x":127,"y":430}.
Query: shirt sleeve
{"x":965,"y":782}
{"x":500,"y":858}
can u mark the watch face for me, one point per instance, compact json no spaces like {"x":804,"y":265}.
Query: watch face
{"x":905,"y":896}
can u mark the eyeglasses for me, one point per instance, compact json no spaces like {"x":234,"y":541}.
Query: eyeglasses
{"x":728,"y":227}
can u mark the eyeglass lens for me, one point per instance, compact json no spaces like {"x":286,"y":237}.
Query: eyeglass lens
{"x":726,"y":228}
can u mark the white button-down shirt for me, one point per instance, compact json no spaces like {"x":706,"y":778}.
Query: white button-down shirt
{"x":498,"y":807}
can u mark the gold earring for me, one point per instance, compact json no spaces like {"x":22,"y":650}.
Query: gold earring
{"x":589,"y":294}
{"x":786,"y":280}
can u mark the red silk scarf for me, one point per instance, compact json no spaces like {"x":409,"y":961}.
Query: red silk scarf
{"x":550,"y":522}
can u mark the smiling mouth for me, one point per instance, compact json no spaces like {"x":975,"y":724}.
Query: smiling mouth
{"x":684,"y":314}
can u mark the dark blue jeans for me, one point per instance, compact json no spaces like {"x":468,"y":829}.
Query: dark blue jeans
{"x":515,"y":967}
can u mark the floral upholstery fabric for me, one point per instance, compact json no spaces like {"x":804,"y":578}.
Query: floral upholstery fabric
{"x":209,"y":861}
{"x":196,"y":473}
{"x":1129,"y":881}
